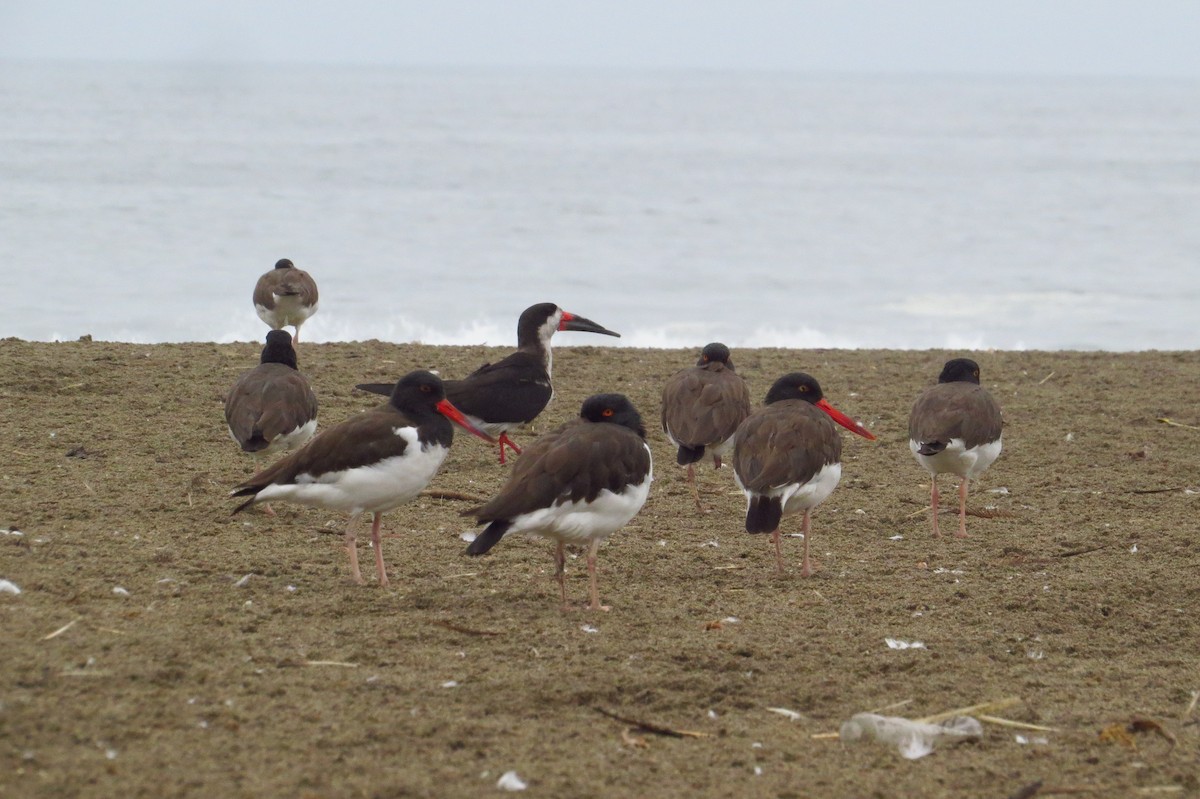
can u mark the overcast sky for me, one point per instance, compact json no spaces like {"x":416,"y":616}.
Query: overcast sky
{"x":1055,"y":37}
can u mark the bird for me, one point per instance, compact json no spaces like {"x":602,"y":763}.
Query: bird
{"x":702,"y":407}
{"x":502,"y":396}
{"x":955,"y":427}
{"x":272,"y":408}
{"x":285,"y":296}
{"x":577,"y":484}
{"x":370,"y":463}
{"x":787,"y":457}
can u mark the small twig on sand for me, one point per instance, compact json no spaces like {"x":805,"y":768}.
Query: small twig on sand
{"x":441,"y":493}
{"x":1192,"y":705}
{"x":330,"y":663}
{"x":646,"y":726}
{"x":458,"y":628}
{"x":1157,"y":490}
{"x":1044,"y":379}
{"x":994,"y":513}
{"x":1016,"y":725}
{"x":61,"y":630}
{"x":1173,"y":423}
{"x":999,"y":704}
{"x":1072,"y":553}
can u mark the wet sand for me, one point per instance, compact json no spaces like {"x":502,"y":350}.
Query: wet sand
{"x":1076,"y":595}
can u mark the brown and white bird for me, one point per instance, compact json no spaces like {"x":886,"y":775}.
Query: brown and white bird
{"x":787,"y":457}
{"x":371,"y":463}
{"x":502,"y":396}
{"x":702,"y":407}
{"x":575,"y":485}
{"x":955,"y":427}
{"x":272,"y":408}
{"x":285,"y":296}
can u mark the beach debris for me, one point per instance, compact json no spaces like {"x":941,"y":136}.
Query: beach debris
{"x":1044,"y":379}
{"x":1173,"y":423}
{"x":120,"y":591}
{"x":11,"y":531}
{"x":1000,"y":490}
{"x":441,"y":493}
{"x":60,"y":630}
{"x":896,"y":643}
{"x":790,"y":715}
{"x":1025,"y":740}
{"x":896,"y":538}
{"x":1184,"y":489}
{"x":450,"y":684}
{"x":587,"y":628}
{"x":650,"y":727}
{"x":242,"y":582}
{"x":458,"y":628}
{"x":1192,"y":705}
{"x":9,"y":587}
{"x":336,"y":663}
{"x":468,"y":536}
{"x":912,"y":739}
{"x":509,"y":781}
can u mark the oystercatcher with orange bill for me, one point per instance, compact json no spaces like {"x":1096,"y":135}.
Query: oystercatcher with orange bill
{"x":955,"y":427}
{"x":370,"y":463}
{"x":285,"y":296}
{"x":575,"y":485}
{"x":787,"y":457}
{"x":701,"y":409}
{"x":502,"y":396}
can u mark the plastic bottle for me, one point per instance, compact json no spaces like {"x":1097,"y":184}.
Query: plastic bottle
{"x":913,"y":739}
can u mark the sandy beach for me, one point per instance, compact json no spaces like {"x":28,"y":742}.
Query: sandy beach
{"x":161,"y":647}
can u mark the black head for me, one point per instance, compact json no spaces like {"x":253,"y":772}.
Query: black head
{"x":715,"y":353}
{"x":284,"y":263}
{"x":418,"y":392}
{"x":279,"y":349}
{"x":796,"y":385}
{"x":960,"y":370}
{"x":539,"y":322}
{"x":614,"y":409}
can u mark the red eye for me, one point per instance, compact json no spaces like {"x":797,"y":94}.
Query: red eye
{"x":607,"y":412}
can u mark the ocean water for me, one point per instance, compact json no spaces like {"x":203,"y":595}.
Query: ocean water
{"x":141,"y":202}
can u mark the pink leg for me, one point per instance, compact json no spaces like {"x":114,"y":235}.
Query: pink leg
{"x":695,"y":488}
{"x":962,"y":509}
{"x":933,"y":504}
{"x":296,"y":338}
{"x":716,"y":461}
{"x":593,"y":589}
{"x":375,"y":543}
{"x":560,"y":569}
{"x":352,"y":548}
{"x":505,"y":441}
{"x":806,"y":569}
{"x":267,"y":509}
{"x":778,"y":551}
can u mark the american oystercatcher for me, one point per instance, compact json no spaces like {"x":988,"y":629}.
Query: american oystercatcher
{"x":272,"y":408}
{"x":575,"y":485}
{"x":787,"y":457}
{"x":955,"y":427}
{"x":370,"y":463}
{"x":701,"y":409}
{"x":498,"y":397}
{"x":285,"y":296}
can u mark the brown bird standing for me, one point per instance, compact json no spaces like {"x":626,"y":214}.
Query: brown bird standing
{"x":702,"y":407}
{"x":787,"y":457}
{"x":285,"y":296}
{"x":955,"y":427}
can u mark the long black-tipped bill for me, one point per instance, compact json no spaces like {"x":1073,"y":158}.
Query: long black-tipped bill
{"x":583,"y":325}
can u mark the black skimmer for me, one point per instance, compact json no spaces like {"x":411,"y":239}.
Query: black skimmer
{"x":498,"y":397}
{"x":575,"y":485}
{"x":701,"y":409}
{"x":787,"y":457}
{"x":285,"y":296}
{"x":955,"y":427}
{"x":370,"y":463}
{"x":272,"y":408}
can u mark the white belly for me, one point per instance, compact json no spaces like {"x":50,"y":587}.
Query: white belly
{"x":370,"y":489}
{"x":288,"y":310}
{"x":797,"y":497}
{"x":957,"y":459}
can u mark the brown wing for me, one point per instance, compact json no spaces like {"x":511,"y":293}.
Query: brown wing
{"x":285,"y":281}
{"x":784,"y":442}
{"x":955,"y":410}
{"x":269,"y":400}
{"x":360,"y":440}
{"x":575,"y":462}
{"x":704,"y":405}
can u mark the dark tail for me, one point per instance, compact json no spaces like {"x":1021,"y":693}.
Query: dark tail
{"x":377,"y":388}
{"x":488,"y":538}
{"x":931,"y":447}
{"x":256,"y":441}
{"x":688,"y":455}
{"x":764,"y":514}
{"x":245,"y":491}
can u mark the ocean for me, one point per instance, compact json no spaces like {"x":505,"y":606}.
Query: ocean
{"x":140,"y":203}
